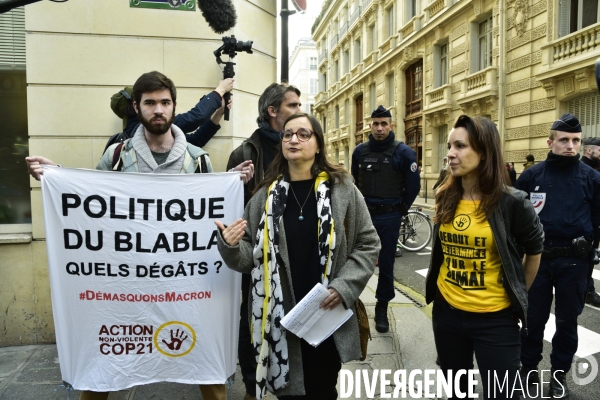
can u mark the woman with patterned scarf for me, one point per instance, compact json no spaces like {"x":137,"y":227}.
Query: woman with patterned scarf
{"x":307,"y":223}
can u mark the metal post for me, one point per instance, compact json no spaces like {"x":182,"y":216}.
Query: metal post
{"x":285,"y":58}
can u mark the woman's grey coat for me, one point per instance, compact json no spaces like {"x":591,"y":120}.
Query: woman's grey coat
{"x":356,"y":250}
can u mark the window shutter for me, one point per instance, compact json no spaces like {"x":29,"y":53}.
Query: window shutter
{"x":12,"y":37}
{"x":587,"y":110}
{"x":564,"y":17}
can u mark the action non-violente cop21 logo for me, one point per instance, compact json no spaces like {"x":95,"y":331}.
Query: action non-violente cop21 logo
{"x":172,"y":339}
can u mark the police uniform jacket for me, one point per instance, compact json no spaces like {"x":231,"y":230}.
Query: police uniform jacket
{"x":591,"y":163}
{"x":567,"y":194}
{"x":514,"y":223}
{"x":404,"y":161}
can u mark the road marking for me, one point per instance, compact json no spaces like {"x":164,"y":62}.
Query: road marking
{"x":596,"y":274}
{"x":424,"y":254}
{"x":589,"y":341}
{"x":422,"y":272}
{"x":428,"y":248}
{"x":591,"y":306}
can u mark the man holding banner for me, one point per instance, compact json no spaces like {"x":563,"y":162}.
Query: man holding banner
{"x":127,"y":270}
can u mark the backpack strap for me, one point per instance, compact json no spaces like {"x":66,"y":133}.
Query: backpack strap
{"x":117,"y":163}
{"x":204,"y":167}
{"x":192,"y":154}
{"x":121,"y":137}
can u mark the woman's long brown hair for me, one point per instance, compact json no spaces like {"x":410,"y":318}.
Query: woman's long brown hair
{"x":279,"y":165}
{"x":492,"y":175}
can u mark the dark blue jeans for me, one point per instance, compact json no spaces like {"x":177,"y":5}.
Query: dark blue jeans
{"x":246,"y":355}
{"x":388,"y":230}
{"x":568,"y":276}
{"x":494,"y":337}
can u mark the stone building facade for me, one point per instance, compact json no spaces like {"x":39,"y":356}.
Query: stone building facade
{"x":521,"y":63}
{"x":72,"y":57}
{"x":303,"y":72}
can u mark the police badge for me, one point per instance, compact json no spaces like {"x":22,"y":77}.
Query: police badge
{"x":538,"y":200}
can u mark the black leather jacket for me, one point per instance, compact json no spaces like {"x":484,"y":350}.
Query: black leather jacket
{"x":514,"y":224}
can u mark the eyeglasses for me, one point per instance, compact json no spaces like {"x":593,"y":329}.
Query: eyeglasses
{"x":302,"y":134}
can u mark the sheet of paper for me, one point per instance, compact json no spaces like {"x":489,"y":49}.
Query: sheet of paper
{"x":312,"y":323}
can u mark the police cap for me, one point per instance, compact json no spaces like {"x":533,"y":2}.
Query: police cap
{"x":567,"y":123}
{"x":591,"y":141}
{"x":381,"y":112}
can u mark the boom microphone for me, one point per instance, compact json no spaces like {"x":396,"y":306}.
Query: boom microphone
{"x":220,"y":14}
{"x":7,"y":5}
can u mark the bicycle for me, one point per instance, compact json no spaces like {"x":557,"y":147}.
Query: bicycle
{"x":415,"y":231}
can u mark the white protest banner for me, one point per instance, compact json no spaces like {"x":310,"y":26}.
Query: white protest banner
{"x":140,"y":293}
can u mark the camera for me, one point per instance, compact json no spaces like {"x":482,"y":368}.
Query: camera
{"x":231,"y":46}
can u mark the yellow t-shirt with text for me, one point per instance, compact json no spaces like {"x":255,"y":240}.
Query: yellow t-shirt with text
{"x":471,"y":274}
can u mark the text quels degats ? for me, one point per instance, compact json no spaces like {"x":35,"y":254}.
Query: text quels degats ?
{"x":155,"y":270}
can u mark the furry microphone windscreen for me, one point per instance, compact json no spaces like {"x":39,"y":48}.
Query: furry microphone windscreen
{"x":220,"y":14}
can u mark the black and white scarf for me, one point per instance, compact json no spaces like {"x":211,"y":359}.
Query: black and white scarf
{"x":268,"y":336}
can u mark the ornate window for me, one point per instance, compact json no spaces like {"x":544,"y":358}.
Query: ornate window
{"x":577,"y":14}
{"x":390,"y":20}
{"x":443,"y":73}
{"x":357,"y":51}
{"x":372,"y":97}
{"x":414,"y":88}
{"x":485,"y":43}
{"x":347,"y":112}
{"x":390,"y":90}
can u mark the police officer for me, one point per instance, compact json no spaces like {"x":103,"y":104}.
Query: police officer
{"x":566,"y":195}
{"x":386,"y":173}
{"x":591,"y":157}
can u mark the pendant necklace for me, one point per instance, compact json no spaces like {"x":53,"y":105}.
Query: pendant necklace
{"x":301,"y":217}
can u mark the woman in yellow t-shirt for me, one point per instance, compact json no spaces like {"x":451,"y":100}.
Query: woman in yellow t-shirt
{"x":477,"y":277}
